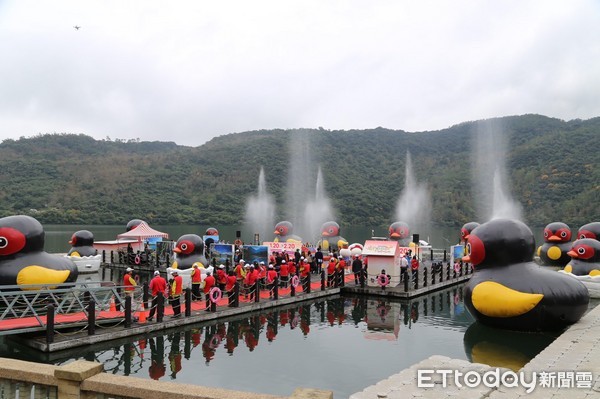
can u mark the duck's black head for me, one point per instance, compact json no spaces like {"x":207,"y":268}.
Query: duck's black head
{"x":20,"y":234}
{"x":500,"y":242}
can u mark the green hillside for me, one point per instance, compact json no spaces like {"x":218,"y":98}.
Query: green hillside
{"x":67,"y":178}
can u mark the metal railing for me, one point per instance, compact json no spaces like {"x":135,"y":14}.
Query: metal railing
{"x":27,"y":305}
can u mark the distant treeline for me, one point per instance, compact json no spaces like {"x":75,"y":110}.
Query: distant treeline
{"x":552,"y":166}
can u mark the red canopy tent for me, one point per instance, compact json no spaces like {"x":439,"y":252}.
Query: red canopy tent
{"x":142,"y":232}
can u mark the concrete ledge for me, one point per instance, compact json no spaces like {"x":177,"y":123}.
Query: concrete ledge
{"x":78,"y":370}
{"x":308,"y":393}
{"x":132,"y":387}
{"x":576,"y":350}
{"x":19,"y":370}
{"x":83,"y":379}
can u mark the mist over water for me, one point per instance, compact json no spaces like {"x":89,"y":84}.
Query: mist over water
{"x":299,"y":183}
{"x":260,"y":210}
{"x":307,"y":205}
{"x":414,"y":204}
{"x":318,"y":210}
{"x":492,"y":194}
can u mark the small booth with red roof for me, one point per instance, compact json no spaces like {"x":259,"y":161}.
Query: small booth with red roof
{"x":382,"y":255}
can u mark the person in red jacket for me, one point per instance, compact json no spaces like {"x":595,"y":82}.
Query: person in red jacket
{"x":292,"y":267}
{"x":221,"y":278}
{"x":414,"y":266}
{"x":157,"y":285}
{"x":250,"y":282}
{"x":284,"y":272}
{"x":196,"y":277}
{"x":209,"y":282}
{"x":304,"y":272}
{"x":331,"y":269}
{"x":262,"y":274}
{"x":231,"y":280}
{"x":271,"y":276}
{"x":341,"y":269}
{"x":230,"y":287}
{"x":176,"y":290}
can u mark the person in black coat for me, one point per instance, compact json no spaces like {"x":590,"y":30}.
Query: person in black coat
{"x":319,"y":259}
{"x":357,"y":267}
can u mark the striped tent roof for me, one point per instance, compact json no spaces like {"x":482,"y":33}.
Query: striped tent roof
{"x":143,"y":231}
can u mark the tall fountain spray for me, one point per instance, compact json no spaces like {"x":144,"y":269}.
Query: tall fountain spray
{"x":299,"y":188}
{"x":260,"y":210}
{"x":307,"y":205}
{"x":414,"y":204}
{"x":492,"y":193}
{"x":318,"y":210}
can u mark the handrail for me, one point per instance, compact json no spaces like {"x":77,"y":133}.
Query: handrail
{"x":30,"y":302}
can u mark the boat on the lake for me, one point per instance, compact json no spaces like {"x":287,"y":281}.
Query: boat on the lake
{"x":87,"y":264}
{"x":592,"y":283}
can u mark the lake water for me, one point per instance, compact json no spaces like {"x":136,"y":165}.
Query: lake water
{"x":343,"y":344}
{"x":57,"y":236}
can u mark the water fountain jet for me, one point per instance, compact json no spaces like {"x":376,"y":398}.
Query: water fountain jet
{"x":414,"y":205}
{"x":260,"y":210}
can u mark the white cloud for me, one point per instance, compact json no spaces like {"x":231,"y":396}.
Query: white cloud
{"x":188,"y":71}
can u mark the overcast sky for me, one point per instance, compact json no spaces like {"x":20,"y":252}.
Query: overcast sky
{"x":188,"y":71}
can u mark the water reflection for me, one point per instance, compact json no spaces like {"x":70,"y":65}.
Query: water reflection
{"x":329,"y":340}
{"x":500,"y":348}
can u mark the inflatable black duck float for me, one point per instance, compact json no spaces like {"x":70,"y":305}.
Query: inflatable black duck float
{"x":331,"y":239}
{"x":466,"y":230}
{"x":557,"y":242}
{"x":399,"y":231}
{"x":284,"y":233}
{"x":585,"y":258}
{"x":508,"y":290}
{"x":82,"y":244}
{"x":133,"y":223}
{"x":590,"y":230}
{"x":23,"y":259}
{"x":211,"y":236}
{"x":189,"y":249}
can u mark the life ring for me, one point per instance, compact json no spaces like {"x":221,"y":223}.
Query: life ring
{"x":137,"y":260}
{"x":137,"y":279}
{"x":215,"y":294}
{"x":295,"y":281}
{"x":294,"y":322}
{"x":456,"y":299}
{"x":456,"y":267}
{"x":383,"y":280}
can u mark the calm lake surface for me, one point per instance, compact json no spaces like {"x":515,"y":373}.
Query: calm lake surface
{"x":343,"y":343}
{"x":58,"y":236}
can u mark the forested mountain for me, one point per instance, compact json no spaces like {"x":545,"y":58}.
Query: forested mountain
{"x":71,"y":178}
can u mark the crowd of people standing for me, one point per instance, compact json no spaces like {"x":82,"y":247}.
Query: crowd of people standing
{"x":282,"y":267}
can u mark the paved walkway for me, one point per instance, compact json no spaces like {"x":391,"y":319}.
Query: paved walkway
{"x":572,"y":356}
